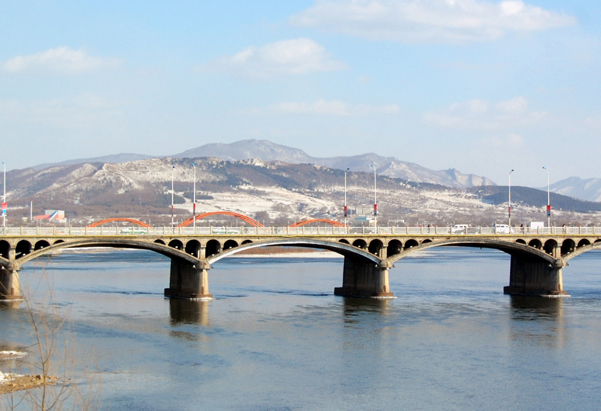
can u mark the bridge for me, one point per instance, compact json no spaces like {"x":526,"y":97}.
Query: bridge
{"x":537,"y":255}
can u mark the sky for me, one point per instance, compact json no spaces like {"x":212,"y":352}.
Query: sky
{"x":481,"y":86}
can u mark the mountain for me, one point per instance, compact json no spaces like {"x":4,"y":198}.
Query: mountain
{"x":272,"y":192}
{"x":268,"y":151}
{"x":113,"y":158}
{"x":589,"y":189}
{"x":388,"y":166}
{"x":532,"y":197}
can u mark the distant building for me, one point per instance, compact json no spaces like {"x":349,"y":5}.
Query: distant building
{"x":52,"y":215}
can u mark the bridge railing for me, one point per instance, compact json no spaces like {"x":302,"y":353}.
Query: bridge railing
{"x":328,"y":230}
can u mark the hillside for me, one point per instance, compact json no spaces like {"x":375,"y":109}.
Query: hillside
{"x":272,"y":192}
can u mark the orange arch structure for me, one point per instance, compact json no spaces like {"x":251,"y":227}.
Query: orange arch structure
{"x":319,"y":220}
{"x":129,"y":220}
{"x":239,"y":216}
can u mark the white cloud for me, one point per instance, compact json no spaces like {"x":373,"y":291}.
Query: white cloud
{"x":331,"y":108}
{"x":287,"y":57}
{"x":449,"y":21}
{"x":59,"y":60}
{"x":480,"y":114}
{"x":85,"y":111}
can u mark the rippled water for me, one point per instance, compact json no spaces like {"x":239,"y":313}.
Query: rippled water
{"x":277,"y":338}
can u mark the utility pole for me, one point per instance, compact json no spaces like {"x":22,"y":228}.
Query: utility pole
{"x":194,"y":200}
{"x":509,"y":208}
{"x":172,"y":176}
{"x":4,"y":205}
{"x":375,"y":200}
{"x":345,"y":207}
{"x":548,"y":200}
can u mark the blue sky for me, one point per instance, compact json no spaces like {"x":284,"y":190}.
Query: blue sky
{"x":481,"y":86}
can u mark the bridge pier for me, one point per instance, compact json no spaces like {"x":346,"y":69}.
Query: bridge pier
{"x":531,"y":276}
{"x":189,"y":281}
{"x":364,"y":279}
{"x":10,"y":287}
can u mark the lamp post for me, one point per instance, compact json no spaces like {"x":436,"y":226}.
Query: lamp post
{"x":194,"y":200}
{"x":548,"y":200}
{"x":375,"y":200}
{"x":509,"y":208}
{"x":4,"y":205}
{"x":172,"y":175}
{"x":345,"y":207}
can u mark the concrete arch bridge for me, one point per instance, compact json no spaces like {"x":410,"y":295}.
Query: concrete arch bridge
{"x":537,"y":258}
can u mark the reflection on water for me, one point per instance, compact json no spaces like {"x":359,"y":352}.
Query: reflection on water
{"x":354,"y":308}
{"x":536,"y":308}
{"x":538,"y":320}
{"x":189,"y":312}
{"x":10,"y":304}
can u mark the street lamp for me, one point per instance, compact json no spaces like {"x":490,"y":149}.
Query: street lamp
{"x":548,"y":200}
{"x":375,"y":200}
{"x":172,"y":175}
{"x":345,"y":207}
{"x":4,"y":205}
{"x":194,"y":200}
{"x":509,"y":208}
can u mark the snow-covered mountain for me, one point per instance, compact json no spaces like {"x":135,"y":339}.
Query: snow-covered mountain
{"x":268,"y":151}
{"x":589,"y":189}
{"x":275,"y":192}
{"x":388,"y":166}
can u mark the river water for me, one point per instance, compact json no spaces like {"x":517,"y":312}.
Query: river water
{"x":276,"y":338}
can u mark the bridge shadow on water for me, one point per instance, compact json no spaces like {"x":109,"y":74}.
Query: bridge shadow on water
{"x":354,"y":308}
{"x":184,"y":312}
{"x":538,"y":321}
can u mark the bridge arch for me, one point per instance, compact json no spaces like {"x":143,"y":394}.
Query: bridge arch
{"x":163,"y":249}
{"x":4,"y":248}
{"x":177,"y":244}
{"x":394,"y":247}
{"x":23,"y":248}
{"x":129,"y":220}
{"x":193,"y":248}
{"x":360,"y":243}
{"x":550,"y":246}
{"x":581,"y":250}
{"x":567,"y":246}
{"x":411,"y":244}
{"x":213,"y":248}
{"x":583,"y":243}
{"x":230,"y":244}
{"x":317,"y":220}
{"x":41,"y":244}
{"x":239,"y":216}
{"x":505,"y":246}
{"x":337,"y":247}
{"x":375,"y":247}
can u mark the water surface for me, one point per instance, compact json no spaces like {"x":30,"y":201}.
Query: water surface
{"x":277,"y":338}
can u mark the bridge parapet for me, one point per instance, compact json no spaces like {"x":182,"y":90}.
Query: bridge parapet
{"x":303,"y":230}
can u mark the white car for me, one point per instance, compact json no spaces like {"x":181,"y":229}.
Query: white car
{"x":502,"y":229}
{"x":459,"y":229}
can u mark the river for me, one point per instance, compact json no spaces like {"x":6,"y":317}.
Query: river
{"x":276,"y":338}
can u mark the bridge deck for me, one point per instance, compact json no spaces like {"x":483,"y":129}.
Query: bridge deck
{"x":291,"y":231}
